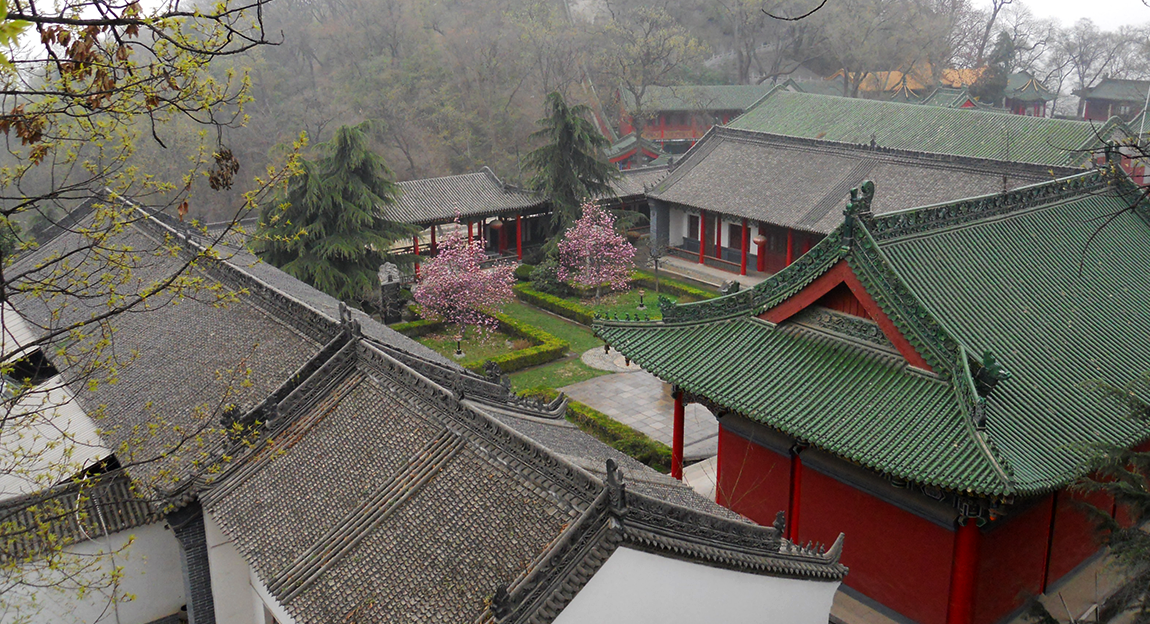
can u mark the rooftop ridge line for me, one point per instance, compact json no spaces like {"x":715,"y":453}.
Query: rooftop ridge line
{"x":975,"y":163}
{"x":902,"y":223}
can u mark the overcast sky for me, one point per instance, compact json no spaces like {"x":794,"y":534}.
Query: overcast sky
{"x":1108,"y":14}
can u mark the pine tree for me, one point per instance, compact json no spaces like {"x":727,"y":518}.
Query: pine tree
{"x":568,"y":168}
{"x":326,"y":227}
{"x":991,"y":84}
{"x":1124,"y":474}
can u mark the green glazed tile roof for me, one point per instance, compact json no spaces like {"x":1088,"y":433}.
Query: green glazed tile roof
{"x":1118,"y":90}
{"x":837,"y":397}
{"x":1024,"y":87}
{"x":959,"y":132}
{"x":629,"y":143}
{"x":699,"y":97}
{"x":1013,"y":286}
{"x":999,"y":273}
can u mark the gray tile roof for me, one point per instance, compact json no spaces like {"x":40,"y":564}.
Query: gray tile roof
{"x":803,"y":183}
{"x":636,"y":182}
{"x":387,"y":485}
{"x":471,"y":195}
{"x":385,"y":468}
{"x":238,"y":333}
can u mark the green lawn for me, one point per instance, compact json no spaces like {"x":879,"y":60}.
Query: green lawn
{"x":578,"y":336}
{"x":563,"y":372}
{"x":554,"y":375}
{"x":627,"y":302}
{"x":476,"y":348}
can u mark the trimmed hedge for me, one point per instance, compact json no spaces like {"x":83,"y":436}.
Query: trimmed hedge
{"x":551,"y":303}
{"x":548,"y":348}
{"x":415,"y":329}
{"x":523,"y":272}
{"x":618,"y":436}
{"x":647,"y":280}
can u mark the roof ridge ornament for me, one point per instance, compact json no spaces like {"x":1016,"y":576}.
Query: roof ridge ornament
{"x":616,"y":488}
{"x":858,"y":207}
{"x":989,"y":374}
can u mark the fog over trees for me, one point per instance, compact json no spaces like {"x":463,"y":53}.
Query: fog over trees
{"x":452,"y":86}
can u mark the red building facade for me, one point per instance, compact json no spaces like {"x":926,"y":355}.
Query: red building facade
{"x":943,"y":451}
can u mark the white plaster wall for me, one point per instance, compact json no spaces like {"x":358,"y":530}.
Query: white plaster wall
{"x":264,"y":600}
{"x":152,"y":585}
{"x":239,"y":595}
{"x":676,"y":226}
{"x":231,"y":591}
{"x":634,"y":586}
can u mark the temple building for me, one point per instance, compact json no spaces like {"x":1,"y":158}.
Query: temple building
{"x":1112,"y":97}
{"x":751,"y":202}
{"x":505,"y":217}
{"x":679,"y":116}
{"x":922,"y":380}
{"x":939,"y":130}
{"x":1026,"y":95}
{"x":633,"y":151}
{"x":304,"y":464}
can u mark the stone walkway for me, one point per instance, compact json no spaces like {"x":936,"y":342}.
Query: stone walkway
{"x":610,"y":361}
{"x":641,"y":401}
{"x":706,"y":274}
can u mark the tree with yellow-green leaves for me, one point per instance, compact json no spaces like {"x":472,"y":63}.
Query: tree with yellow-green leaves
{"x":83,"y":83}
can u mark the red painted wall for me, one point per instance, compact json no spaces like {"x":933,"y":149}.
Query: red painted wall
{"x":753,"y":480}
{"x":841,"y":298}
{"x":1075,"y":538}
{"x":1097,"y":110}
{"x":1012,"y":555}
{"x":894,"y":556}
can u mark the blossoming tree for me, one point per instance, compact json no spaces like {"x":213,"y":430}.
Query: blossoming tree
{"x":457,"y":290}
{"x":592,"y":253}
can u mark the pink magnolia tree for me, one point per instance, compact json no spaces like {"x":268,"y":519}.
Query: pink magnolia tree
{"x":457,"y":290}
{"x":592,"y":253}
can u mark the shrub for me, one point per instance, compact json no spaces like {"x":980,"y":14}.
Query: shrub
{"x":545,"y":278}
{"x":551,"y":303}
{"x":415,"y":329}
{"x":670,"y":287}
{"x":615,"y":434}
{"x":523,"y":272}
{"x":548,"y":348}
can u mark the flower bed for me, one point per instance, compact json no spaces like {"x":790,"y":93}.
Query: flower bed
{"x":551,"y":303}
{"x":545,"y":347}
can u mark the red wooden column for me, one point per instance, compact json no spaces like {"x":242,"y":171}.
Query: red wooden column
{"x":719,"y":237}
{"x":963,"y":573}
{"x":502,"y":237}
{"x":677,"y":439}
{"x":790,"y":247}
{"x":469,"y":224}
{"x":702,"y":235}
{"x":519,"y":237}
{"x":746,"y":248}
{"x":415,"y":248}
{"x":434,"y":246}
{"x":761,"y":258}
{"x":795,"y":494}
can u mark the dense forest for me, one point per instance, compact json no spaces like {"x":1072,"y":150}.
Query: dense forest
{"x":455,"y":85}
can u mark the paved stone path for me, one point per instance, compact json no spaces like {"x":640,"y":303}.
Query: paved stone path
{"x":641,"y":401}
{"x":611,"y":361}
{"x":707,"y":274}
